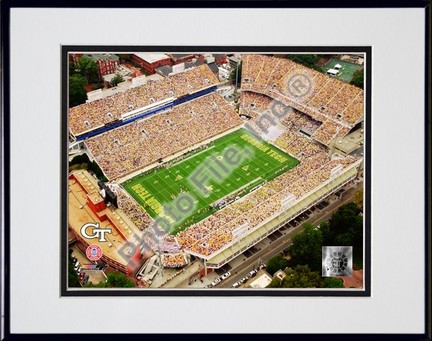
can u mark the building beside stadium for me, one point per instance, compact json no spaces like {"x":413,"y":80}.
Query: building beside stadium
{"x":88,"y":206}
{"x":106,"y":62}
{"x":178,"y":58}
{"x":151,"y":61}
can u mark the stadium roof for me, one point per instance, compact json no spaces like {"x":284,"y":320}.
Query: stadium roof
{"x":213,"y":67}
{"x":164,"y":70}
{"x":151,"y":57}
{"x":188,"y":65}
{"x":350,"y":143}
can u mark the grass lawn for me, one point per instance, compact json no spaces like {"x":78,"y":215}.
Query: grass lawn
{"x":207,"y":177}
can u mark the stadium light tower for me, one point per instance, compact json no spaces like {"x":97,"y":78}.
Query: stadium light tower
{"x":237,"y":66}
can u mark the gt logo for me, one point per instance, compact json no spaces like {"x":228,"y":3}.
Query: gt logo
{"x":97,"y":232}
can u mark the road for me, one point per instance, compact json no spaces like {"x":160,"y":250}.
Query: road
{"x":282,"y":242}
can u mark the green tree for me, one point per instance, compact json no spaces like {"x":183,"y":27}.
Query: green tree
{"x":325,"y":231}
{"x":114,"y":280}
{"x":77,"y":93}
{"x":117,"y":79}
{"x":72,"y":274}
{"x":79,"y":159}
{"x":306,"y":248}
{"x":83,"y":162}
{"x":98,"y":85}
{"x":346,"y":228}
{"x":357,"y":231}
{"x":358,"y":78}
{"x":343,"y":218}
{"x":346,"y":239}
{"x":275,"y":283}
{"x":88,"y":68}
{"x":125,"y":58}
{"x":332,"y":282}
{"x":119,"y":280}
{"x":358,"y":197}
{"x":276,"y":263}
{"x":73,"y":70}
{"x":300,"y":276}
{"x":307,"y":60}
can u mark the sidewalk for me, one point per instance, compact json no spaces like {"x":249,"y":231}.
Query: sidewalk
{"x":179,"y":279}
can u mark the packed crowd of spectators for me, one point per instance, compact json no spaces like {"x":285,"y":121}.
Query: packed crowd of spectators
{"x":328,"y":131}
{"x":254,"y":104}
{"x":141,"y":143}
{"x":298,"y":145}
{"x":157,"y":240}
{"x":216,"y":232}
{"x":296,"y":121}
{"x":168,"y":244}
{"x":328,"y":100}
{"x":177,"y":260}
{"x":133,"y":210}
{"x":93,"y":114}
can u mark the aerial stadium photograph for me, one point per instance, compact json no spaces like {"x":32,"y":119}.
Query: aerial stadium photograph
{"x":238,"y":172}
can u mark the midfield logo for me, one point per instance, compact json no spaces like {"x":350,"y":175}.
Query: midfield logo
{"x":98,"y":233}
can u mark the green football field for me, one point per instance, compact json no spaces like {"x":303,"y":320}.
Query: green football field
{"x":183,"y":193}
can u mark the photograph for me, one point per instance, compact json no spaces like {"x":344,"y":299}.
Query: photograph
{"x":236,"y":171}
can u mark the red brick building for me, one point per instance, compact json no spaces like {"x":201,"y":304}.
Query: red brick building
{"x":178,"y":58}
{"x":87,"y":206}
{"x":220,"y":58}
{"x":150,"y":61}
{"x":107,"y":63}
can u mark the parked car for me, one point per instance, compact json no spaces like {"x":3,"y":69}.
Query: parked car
{"x":244,"y":279}
{"x":226,"y":275}
{"x":216,"y":281}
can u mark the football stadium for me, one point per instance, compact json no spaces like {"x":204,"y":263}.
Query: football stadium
{"x":193,"y":177}
{"x":223,"y":183}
